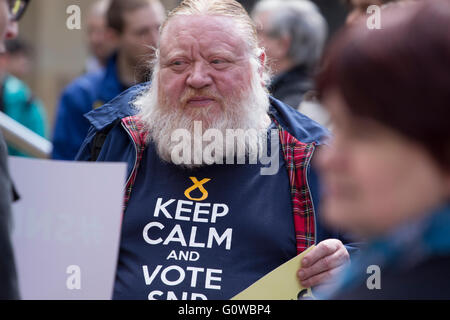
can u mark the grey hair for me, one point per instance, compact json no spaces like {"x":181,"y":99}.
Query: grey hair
{"x":302,"y":21}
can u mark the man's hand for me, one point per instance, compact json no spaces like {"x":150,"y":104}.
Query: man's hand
{"x":323,"y":262}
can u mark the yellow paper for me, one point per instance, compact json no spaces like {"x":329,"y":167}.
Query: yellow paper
{"x":279,"y":284}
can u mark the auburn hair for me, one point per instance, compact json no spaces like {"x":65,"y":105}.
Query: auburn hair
{"x":398,"y":75}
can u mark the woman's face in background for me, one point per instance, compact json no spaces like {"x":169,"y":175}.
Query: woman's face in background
{"x":374,"y":178}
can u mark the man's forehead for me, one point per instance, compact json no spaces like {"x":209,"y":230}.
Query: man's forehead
{"x":202,"y":28}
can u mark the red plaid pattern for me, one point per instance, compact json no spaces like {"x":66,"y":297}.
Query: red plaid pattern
{"x":297,"y":156}
{"x":139,"y":136}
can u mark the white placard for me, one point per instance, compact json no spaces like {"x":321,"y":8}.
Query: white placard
{"x":66,"y":228}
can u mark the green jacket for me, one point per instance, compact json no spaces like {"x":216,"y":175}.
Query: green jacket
{"x":19,"y":103}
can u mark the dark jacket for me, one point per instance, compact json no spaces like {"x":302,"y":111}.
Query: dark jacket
{"x":290,"y":86}
{"x":85,"y":93}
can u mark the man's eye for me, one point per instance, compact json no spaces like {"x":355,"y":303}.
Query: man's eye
{"x":219,"y":63}
{"x":178,"y":64}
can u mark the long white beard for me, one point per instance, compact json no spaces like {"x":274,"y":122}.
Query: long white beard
{"x":246,"y":111}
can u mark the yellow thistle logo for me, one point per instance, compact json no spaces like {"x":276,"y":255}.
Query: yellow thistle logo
{"x":197,"y":185}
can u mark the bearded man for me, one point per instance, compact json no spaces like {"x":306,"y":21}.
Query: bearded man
{"x":207,"y":227}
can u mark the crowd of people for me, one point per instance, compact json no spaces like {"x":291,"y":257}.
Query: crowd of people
{"x":357,"y":126}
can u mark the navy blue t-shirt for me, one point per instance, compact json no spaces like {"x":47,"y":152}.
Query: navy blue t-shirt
{"x":205,"y":233}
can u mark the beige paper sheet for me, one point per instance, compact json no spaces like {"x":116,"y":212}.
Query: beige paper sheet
{"x":279,"y":284}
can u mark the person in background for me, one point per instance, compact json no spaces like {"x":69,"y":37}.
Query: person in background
{"x":293,"y":34}
{"x":135,"y":25}
{"x":10,"y":13}
{"x":16,"y":98}
{"x":101,"y":41}
{"x":387,"y":174}
{"x":18,"y":55}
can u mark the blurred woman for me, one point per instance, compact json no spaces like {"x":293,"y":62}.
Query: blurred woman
{"x":387,"y":173}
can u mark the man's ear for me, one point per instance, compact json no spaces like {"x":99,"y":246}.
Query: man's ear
{"x":262,"y":63}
